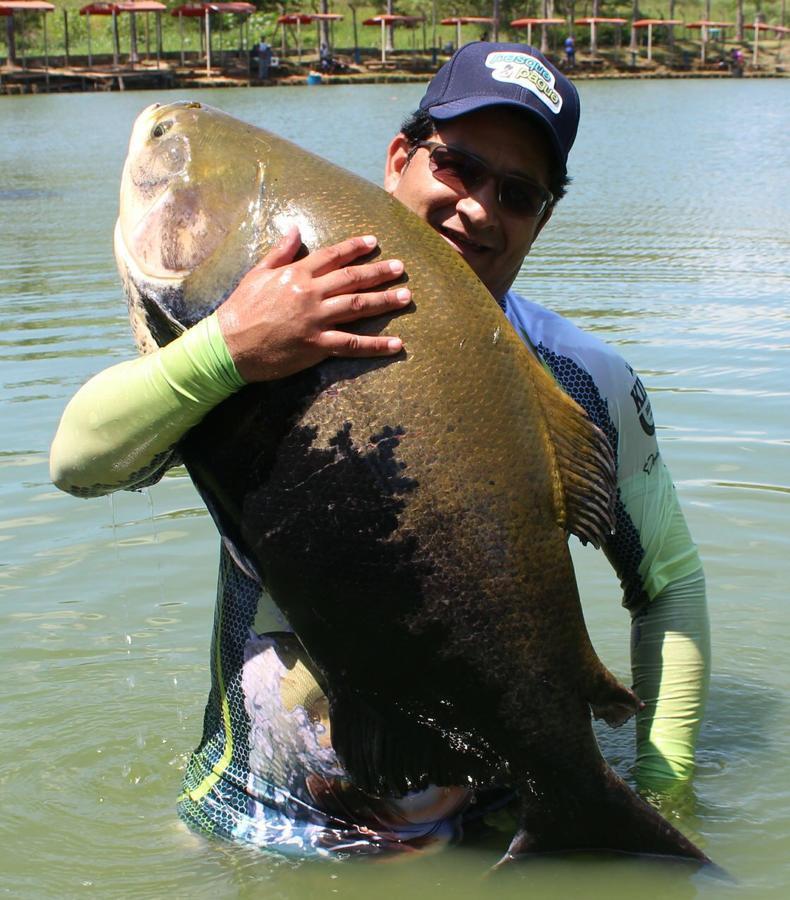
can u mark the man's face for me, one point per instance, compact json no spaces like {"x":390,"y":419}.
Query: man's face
{"x":492,"y":240}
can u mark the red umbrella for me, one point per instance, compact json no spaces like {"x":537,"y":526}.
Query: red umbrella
{"x":528,"y":23}
{"x":458,"y":21}
{"x":594,"y":21}
{"x":649,"y":23}
{"x":387,"y":19}
{"x":102,"y":9}
{"x":703,"y":25}
{"x":757,"y":27}
{"x":8,"y":7}
{"x":297,"y":19}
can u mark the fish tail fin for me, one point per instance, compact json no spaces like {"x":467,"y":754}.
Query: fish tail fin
{"x":604,"y":816}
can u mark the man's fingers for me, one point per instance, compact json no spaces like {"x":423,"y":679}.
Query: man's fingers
{"x":350,"y":307}
{"x":328,"y":259}
{"x":341,"y":343}
{"x":351,"y":279}
{"x":284,"y":251}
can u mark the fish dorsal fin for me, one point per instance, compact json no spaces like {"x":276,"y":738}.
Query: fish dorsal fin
{"x":584,"y":465}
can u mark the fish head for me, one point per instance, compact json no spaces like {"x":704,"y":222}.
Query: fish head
{"x":193,"y":215}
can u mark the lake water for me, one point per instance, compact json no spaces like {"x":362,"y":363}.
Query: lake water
{"x":672,"y":244}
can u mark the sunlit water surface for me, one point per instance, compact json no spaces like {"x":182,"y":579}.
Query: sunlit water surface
{"x":672,"y":245}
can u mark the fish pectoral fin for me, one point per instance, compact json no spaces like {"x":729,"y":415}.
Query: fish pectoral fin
{"x":586,"y":478}
{"x":612,"y":701}
{"x":522,"y":844}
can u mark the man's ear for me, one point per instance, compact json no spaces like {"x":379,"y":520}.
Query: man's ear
{"x":396,"y":161}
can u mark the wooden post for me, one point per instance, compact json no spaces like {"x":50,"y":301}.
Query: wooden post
{"x":65,"y":37}
{"x":132,"y":39}
{"x":649,"y":41}
{"x":299,"y":38}
{"x":116,"y":41}
{"x":46,"y":54}
{"x":457,"y":34}
{"x":88,"y":25}
{"x":756,"y":42}
{"x":383,"y":42}
{"x":208,"y":43}
{"x":10,"y":39}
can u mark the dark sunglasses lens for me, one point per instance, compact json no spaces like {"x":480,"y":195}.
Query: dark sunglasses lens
{"x":450,"y":165}
{"x":521,"y":197}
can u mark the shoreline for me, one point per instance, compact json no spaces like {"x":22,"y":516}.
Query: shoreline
{"x":28,"y":81}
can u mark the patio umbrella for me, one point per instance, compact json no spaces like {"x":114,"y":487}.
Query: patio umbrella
{"x":297,"y":19}
{"x":703,"y":25}
{"x":330,"y":18}
{"x":9,"y":7}
{"x":233,"y":8}
{"x":133,"y":7}
{"x":757,"y":27}
{"x":103,"y":9}
{"x":528,"y":23}
{"x":190,"y":11}
{"x":384,"y":21}
{"x":649,"y":23}
{"x":458,"y":21}
{"x":593,"y":22}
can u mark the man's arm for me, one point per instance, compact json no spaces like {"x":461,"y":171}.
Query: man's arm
{"x":119,"y":429}
{"x":658,"y":563}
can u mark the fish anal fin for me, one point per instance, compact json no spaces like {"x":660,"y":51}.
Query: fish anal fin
{"x":610,"y":700}
{"x":585,"y":469}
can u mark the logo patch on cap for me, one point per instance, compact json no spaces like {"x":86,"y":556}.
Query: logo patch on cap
{"x":527,"y":72}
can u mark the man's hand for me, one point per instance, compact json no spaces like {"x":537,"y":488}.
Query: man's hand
{"x":284,"y":315}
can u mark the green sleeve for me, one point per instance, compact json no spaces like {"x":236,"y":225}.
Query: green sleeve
{"x":120,"y":428}
{"x":670,"y":658}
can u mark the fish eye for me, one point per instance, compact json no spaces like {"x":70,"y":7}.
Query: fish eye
{"x":161,"y":128}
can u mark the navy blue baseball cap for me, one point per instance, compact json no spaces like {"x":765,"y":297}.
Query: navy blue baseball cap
{"x":484,"y":74}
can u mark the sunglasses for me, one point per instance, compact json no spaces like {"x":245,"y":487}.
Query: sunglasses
{"x":463,"y":172}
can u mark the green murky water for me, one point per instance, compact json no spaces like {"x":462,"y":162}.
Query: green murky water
{"x":672,"y":244}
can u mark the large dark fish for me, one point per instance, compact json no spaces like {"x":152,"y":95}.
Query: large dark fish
{"x":409,"y":515}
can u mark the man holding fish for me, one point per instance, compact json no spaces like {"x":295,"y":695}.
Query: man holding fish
{"x":483,"y":161}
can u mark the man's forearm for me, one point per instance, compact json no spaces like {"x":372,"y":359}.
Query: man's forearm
{"x":670,"y":657}
{"x":121,"y":423}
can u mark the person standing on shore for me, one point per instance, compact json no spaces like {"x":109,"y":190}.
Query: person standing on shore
{"x":570,"y":51}
{"x":264,"y":54}
{"x":484,"y":162}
